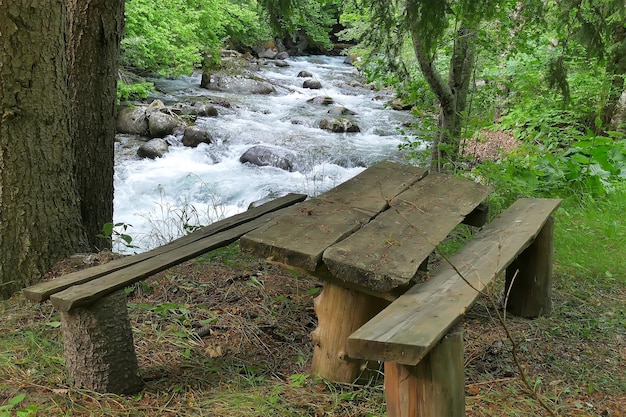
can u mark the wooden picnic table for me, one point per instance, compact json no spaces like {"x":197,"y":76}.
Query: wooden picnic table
{"x":367,"y":239}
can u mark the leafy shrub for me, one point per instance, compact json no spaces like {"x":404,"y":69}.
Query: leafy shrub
{"x":134,"y":91}
{"x":170,"y":37}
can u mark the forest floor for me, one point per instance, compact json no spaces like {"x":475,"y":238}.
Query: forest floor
{"x":228,"y":335}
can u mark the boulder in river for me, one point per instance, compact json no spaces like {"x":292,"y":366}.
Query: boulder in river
{"x":240,"y":85}
{"x":323,"y":100}
{"x":339,"y":125}
{"x":268,"y":156}
{"x":132,"y":120}
{"x":198,"y":109}
{"x":195,"y":135}
{"x":341,"y":111}
{"x":305,"y":74}
{"x":312,"y":84}
{"x":154,"y":148}
{"x":162,"y":124}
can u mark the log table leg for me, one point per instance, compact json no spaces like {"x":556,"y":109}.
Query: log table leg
{"x":528,"y":285}
{"x":340,"y":312}
{"x":99,"y":350}
{"x":433,"y":387}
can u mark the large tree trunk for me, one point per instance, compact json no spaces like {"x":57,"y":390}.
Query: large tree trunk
{"x":39,"y":214}
{"x":94,"y":31}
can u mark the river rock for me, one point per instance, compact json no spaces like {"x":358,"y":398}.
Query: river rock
{"x":162,"y":124}
{"x":341,"y":111}
{"x":339,"y":125}
{"x":266,"y":156}
{"x":195,"y":135}
{"x":305,"y":74}
{"x":282,"y":55}
{"x":132,"y":120}
{"x":312,"y":84}
{"x":351,"y":59}
{"x":240,"y":85}
{"x":154,"y":148}
{"x":281,"y":63}
{"x":398,"y":104}
{"x":322,"y":100}
{"x":198,"y":109}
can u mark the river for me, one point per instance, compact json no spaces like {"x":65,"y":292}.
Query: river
{"x":196,"y":186}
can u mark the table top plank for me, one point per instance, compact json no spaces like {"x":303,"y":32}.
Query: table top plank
{"x":387,"y":252}
{"x":371,"y":190}
{"x":300,"y":237}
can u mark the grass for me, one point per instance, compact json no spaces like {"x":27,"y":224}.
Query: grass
{"x":255,"y":360}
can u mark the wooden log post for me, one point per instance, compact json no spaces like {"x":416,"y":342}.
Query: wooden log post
{"x":340,"y":312}
{"x":99,"y":350}
{"x":433,"y":387}
{"x":528,"y":287}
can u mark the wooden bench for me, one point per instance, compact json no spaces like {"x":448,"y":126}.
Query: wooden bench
{"x":415,"y":336}
{"x":97,"y":337}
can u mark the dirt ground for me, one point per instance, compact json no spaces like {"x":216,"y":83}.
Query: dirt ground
{"x":224,"y":316}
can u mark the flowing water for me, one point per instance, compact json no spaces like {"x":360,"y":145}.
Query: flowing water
{"x":200,"y":185}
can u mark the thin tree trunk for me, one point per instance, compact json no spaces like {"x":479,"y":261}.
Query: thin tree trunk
{"x":39,"y":214}
{"x":94,"y":31}
{"x":452,"y":95}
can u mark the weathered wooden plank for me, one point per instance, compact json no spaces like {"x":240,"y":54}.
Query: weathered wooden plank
{"x":88,"y":292}
{"x":433,"y":387}
{"x":300,"y":237}
{"x":42,"y":291}
{"x":371,"y":190}
{"x":406,"y":330}
{"x":387,"y":252}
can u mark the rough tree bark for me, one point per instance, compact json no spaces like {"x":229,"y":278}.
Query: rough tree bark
{"x":94,"y":31}
{"x":98,"y":347}
{"x":39,"y":206}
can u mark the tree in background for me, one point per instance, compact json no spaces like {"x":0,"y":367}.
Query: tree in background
{"x":436,"y":29}
{"x":597,"y":26}
{"x":41,"y":220}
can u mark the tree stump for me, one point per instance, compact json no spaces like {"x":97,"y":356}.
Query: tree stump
{"x":528,"y":287}
{"x":340,"y":312}
{"x":433,"y":387}
{"x":99,"y":350}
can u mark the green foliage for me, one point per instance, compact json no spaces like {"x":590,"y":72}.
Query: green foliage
{"x":170,"y":36}
{"x":592,"y":166}
{"x":11,"y":409}
{"x":116,"y":233}
{"x":597,"y":221}
{"x":311,"y":18}
{"x":135,"y":91}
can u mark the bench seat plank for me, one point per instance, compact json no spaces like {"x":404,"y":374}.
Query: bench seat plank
{"x":43,"y":290}
{"x":300,"y":237}
{"x":387,"y":252}
{"x":88,"y":292}
{"x":409,"y":327}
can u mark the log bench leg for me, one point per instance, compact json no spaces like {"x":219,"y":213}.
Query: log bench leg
{"x":529,"y":277}
{"x":340,"y":312}
{"x":98,"y":345}
{"x":433,"y":387}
